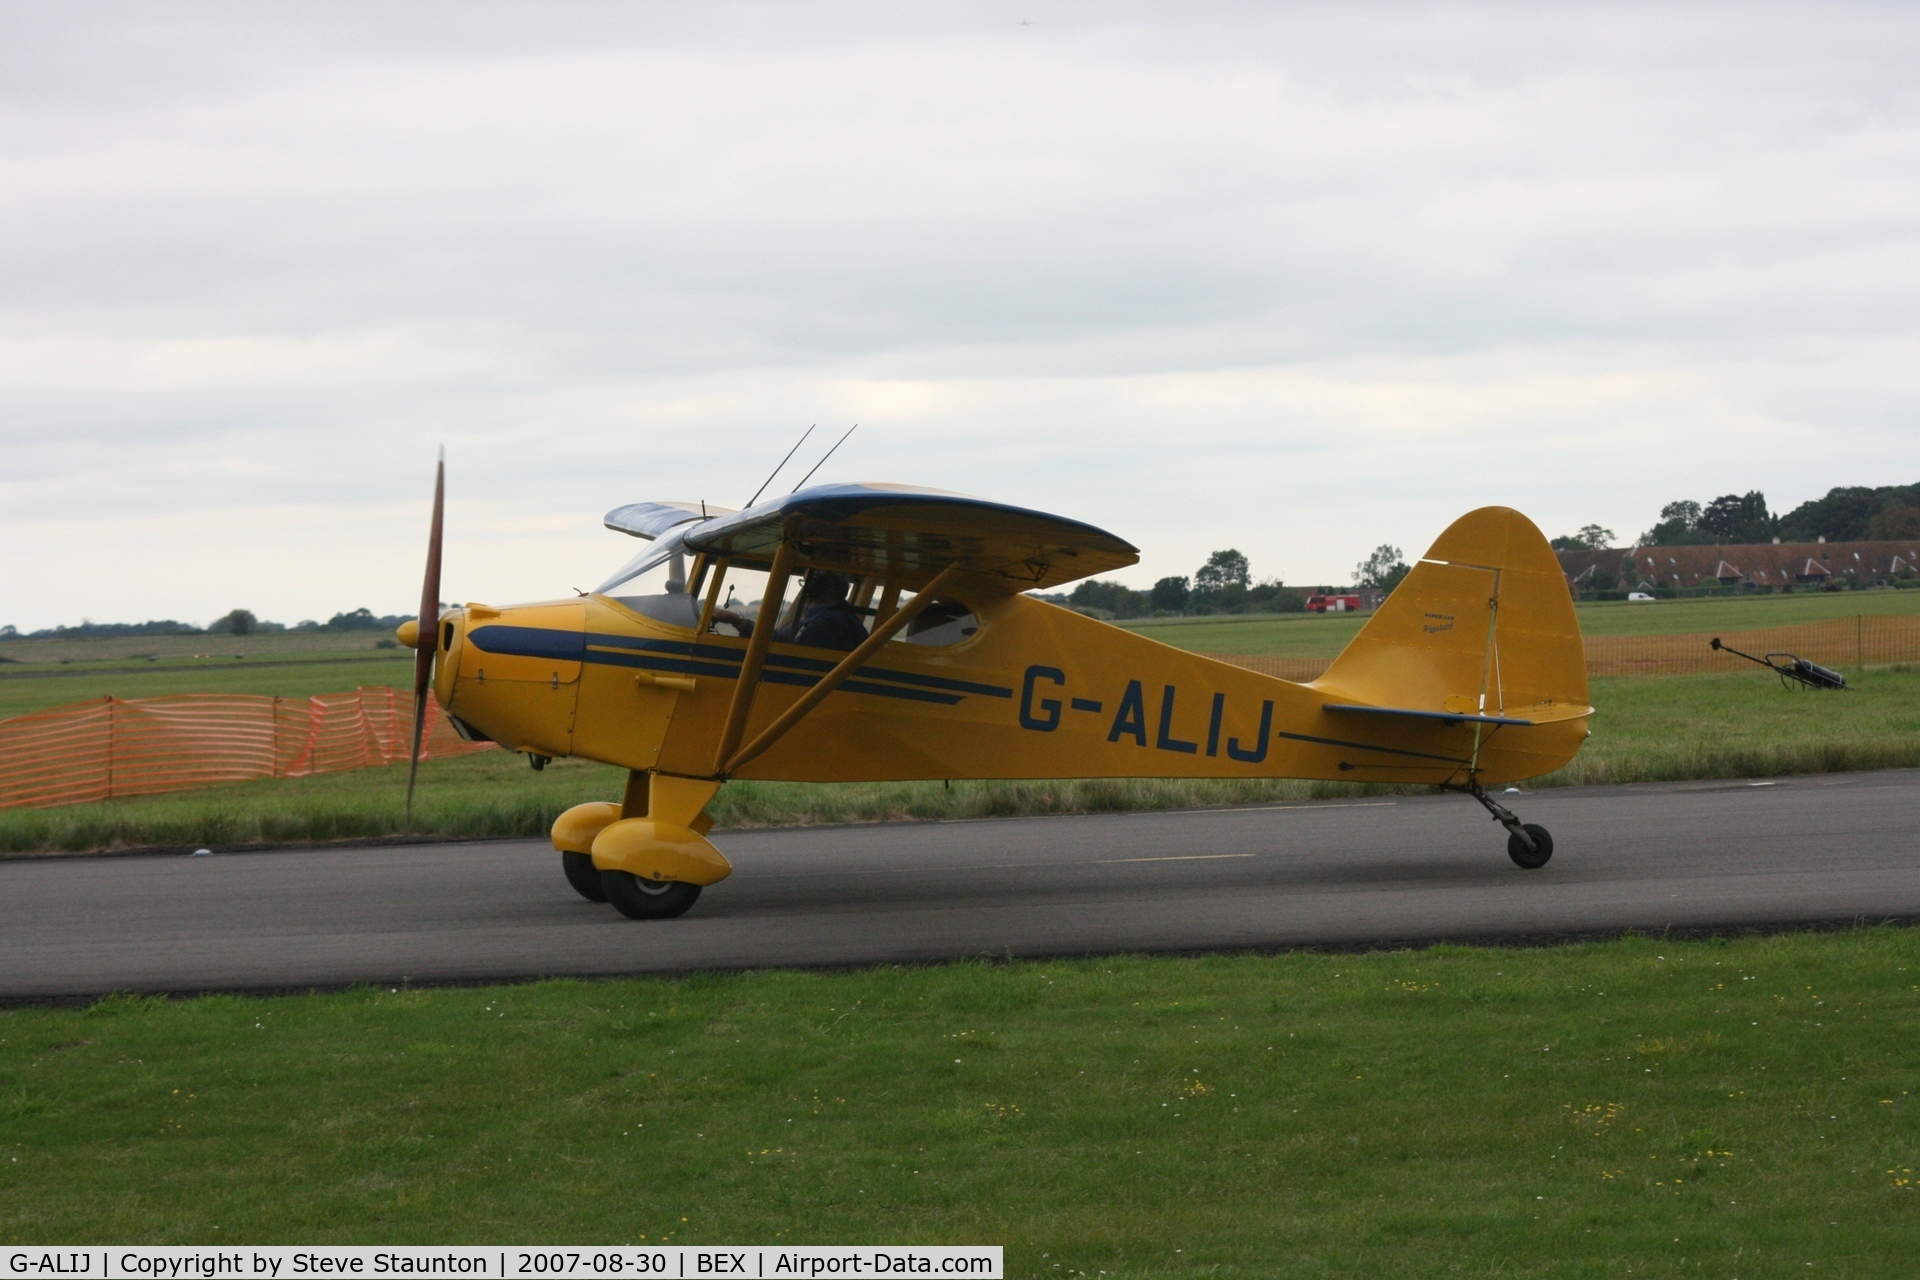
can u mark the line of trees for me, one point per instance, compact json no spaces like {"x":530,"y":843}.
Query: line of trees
{"x":1224,"y":584}
{"x":239,"y":622}
{"x":1846,"y":514}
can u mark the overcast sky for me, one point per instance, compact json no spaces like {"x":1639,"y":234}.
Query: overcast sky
{"x":1293,"y":279}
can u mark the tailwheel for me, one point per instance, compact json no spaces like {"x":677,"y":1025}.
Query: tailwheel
{"x":583,"y":876}
{"x":640,"y":899}
{"x":1530,"y":859}
{"x":1528,"y":843}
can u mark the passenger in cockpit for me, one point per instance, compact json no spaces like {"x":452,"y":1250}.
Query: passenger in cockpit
{"x":827,"y":619}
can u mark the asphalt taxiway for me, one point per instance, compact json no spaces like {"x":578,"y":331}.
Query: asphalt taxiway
{"x":1688,"y":856}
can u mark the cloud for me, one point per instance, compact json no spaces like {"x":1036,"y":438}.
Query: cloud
{"x":1298,"y":280}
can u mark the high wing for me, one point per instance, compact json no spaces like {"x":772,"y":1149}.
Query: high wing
{"x":900,"y":533}
{"x":651,"y":519}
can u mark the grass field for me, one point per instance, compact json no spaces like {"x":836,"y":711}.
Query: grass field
{"x":1324,"y":635}
{"x":296,"y":664}
{"x":287,"y":678}
{"x":1725,"y":1108}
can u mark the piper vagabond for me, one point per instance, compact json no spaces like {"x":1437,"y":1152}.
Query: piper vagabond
{"x":911,"y":649}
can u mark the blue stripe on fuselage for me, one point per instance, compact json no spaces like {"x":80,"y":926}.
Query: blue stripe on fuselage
{"x":723,"y":653}
{"x":530,"y":642}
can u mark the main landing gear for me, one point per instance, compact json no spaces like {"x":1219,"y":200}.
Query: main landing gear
{"x":638,"y":898}
{"x":632,"y":896}
{"x":1528,"y":843}
{"x":583,"y":876}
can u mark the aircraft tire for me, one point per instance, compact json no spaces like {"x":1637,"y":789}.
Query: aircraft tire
{"x":639,"y":899}
{"x":1535,"y":859}
{"x":583,"y":876}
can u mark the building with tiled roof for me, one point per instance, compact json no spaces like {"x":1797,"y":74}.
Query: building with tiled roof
{"x":1808,"y":565}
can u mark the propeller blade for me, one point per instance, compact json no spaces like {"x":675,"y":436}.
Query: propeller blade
{"x":429,"y":628}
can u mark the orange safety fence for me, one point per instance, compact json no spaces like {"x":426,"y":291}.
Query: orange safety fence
{"x":116,"y":747}
{"x":1835,"y":642}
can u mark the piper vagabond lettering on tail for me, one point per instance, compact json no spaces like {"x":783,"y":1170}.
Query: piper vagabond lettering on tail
{"x":892,"y":639}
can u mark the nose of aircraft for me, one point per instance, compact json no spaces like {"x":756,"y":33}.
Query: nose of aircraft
{"x":514,"y":673}
{"x":445,"y":641}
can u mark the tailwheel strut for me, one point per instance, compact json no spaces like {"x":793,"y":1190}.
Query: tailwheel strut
{"x":1528,"y":843}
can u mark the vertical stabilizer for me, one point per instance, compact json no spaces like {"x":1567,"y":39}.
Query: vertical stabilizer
{"x":1483,"y":625}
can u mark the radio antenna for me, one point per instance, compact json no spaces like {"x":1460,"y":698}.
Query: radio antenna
{"x":823,"y":462}
{"x":783,"y":462}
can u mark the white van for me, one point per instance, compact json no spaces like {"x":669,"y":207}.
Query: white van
{"x":1635,"y":596}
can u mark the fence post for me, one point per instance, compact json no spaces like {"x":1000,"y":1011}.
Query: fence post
{"x":110,"y":740}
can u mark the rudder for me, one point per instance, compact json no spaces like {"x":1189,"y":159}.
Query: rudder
{"x":1483,"y":625}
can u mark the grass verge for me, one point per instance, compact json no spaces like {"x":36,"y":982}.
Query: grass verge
{"x":1670,"y":728}
{"x":1646,"y":730}
{"x":1743,"y":1107}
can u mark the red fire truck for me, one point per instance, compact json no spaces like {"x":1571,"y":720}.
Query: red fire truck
{"x":1333,"y":604}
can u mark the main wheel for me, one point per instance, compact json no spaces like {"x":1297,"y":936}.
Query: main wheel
{"x":1534,"y":859}
{"x":583,"y":876}
{"x":639,"y":899}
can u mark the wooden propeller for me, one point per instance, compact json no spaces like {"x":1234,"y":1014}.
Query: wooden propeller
{"x":429,"y":639}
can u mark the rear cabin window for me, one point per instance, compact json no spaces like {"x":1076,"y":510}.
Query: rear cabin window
{"x":943,"y":622}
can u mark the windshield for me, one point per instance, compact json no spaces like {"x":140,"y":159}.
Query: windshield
{"x":667,"y":552}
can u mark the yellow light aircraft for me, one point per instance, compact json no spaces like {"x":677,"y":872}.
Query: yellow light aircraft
{"x":1471,"y":674}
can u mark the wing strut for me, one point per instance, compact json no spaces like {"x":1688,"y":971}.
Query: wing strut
{"x":882,"y":632}
{"x":755,"y":660}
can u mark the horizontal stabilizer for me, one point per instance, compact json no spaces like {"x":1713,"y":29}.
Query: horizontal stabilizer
{"x":1446,"y":717}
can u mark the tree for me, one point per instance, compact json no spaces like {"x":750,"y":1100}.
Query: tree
{"x":1109,"y":597}
{"x":240,"y":622}
{"x":1740,"y":518}
{"x":1170,"y":595}
{"x":1223,"y":569}
{"x":1845,"y":514}
{"x":1274,"y":596}
{"x":1901,"y":522}
{"x":1679,"y":526}
{"x":1729,"y":518}
{"x":1221,"y":583}
{"x":1590,"y":538}
{"x":1381,"y":570}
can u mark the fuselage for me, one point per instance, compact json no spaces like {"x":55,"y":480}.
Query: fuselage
{"x":1013,"y":687}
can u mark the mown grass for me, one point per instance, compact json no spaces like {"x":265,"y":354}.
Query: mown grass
{"x":496,"y":794}
{"x":1324,"y":635}
{"x":1645,"y":730}
{"x":292,"y":677}
{"x":79,"y":651}
{"x":1668,"y":728}
{"x":1742,"y":1108}
{"x":1739,"y":613}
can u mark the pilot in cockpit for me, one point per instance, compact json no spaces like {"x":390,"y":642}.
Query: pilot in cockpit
{"x":827,"y":619}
